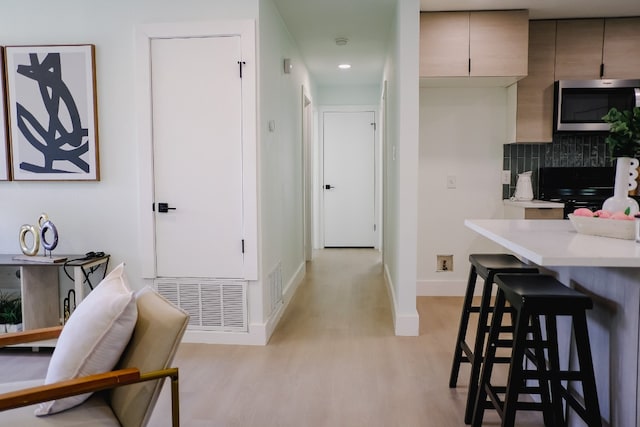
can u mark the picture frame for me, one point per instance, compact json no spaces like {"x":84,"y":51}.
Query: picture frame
{"x":5,"y":174}
{"x":52,"y":112}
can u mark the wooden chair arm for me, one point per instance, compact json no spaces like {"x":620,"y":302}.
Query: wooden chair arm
{"x":30,"y":336}
{"x":91,"y":383}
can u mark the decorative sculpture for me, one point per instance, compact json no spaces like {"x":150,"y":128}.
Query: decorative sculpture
{"x":39,"y":233}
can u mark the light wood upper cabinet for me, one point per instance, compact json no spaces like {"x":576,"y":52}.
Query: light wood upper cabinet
{"x":621,"y":51}
{"x":444,"y":44}
{"x":498,"y":43}
{"x":579,"y":49}
{"x":584,"y":45}
{"x":534,"y":105}
{"x":462,"y":44}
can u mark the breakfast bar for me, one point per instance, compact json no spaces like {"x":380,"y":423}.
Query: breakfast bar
{"x":606,"y":269}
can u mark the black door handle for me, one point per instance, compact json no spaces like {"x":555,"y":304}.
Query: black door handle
{"x":328,"y":187}
{"x":164,"y":208}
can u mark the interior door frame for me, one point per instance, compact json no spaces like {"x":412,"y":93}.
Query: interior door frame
{"x":307,"y":173}
{"x":376,"y":169}
{"x":245,"y":29}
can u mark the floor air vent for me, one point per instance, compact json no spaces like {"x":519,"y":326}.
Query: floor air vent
{"x":213,"y":305}
{"x":275,"y":287}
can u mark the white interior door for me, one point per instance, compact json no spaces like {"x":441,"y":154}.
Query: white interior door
{"x":349,"y":179}
{"x":197,"y":154}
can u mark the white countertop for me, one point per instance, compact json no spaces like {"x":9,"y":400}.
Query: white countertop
{"x":533,"y":204}
{"x":556,"y":243}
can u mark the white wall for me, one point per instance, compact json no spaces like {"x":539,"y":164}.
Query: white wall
{"x":280,"y":153}
{"x":462,"y":131}
{"x":401,"y":171}
{"x":348,"y":95}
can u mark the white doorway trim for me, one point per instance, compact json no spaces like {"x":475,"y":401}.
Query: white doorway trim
{"x":144,"y":34}
{"x":319,"y":218}
{"x":307,"y":173}
{"x":382,"y":180}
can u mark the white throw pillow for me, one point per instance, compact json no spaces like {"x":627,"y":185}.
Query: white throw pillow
{"x":93,"y":338}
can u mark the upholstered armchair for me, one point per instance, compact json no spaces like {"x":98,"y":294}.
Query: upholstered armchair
{"x":122,"y":396}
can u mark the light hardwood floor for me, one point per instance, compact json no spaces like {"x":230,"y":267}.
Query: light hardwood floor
{"x":333,"y":361}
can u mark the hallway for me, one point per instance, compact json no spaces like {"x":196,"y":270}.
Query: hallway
{"x":333,"y":361}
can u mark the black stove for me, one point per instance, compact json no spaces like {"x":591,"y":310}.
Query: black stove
{"x":576,"y":187}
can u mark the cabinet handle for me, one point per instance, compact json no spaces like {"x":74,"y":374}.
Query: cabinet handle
{"x":601,"y":70}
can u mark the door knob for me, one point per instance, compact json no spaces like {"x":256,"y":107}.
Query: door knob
{"x":164,"y":208}
{"x":328,"y":187}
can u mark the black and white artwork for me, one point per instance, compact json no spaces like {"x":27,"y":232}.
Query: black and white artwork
{"x":4,"y":157}
{"x":51,"y":101}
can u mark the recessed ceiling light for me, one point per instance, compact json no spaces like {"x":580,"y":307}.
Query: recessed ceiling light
{"x":344,"y":66}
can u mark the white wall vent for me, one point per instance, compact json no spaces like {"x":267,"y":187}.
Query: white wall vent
{"x":214,"y":305}
{"x":275,"y":287}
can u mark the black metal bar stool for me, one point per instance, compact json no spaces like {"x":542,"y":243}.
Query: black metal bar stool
{"x":486,"y":266}
{"x":532,"y":296}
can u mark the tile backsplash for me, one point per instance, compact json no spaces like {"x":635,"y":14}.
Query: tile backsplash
{"x":565,"y":150}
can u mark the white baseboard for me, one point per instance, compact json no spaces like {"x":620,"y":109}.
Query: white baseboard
{"x":405,"y":324}
{"x":259,"y":333}
{"x":216,"y":337}
{"x":445,"y":288}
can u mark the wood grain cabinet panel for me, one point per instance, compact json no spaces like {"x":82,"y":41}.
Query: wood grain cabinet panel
{"x":534,"y":114}
{"x":542,"y":213}
{"x":494,"y":41}
{"x":444,"y":44}
{"x":498,"y":43}
{"x":520,"y":212}
{"x":579,"y":48}
{"x":621,"y":51}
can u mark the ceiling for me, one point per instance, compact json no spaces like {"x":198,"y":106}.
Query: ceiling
{"x":315,"y":24}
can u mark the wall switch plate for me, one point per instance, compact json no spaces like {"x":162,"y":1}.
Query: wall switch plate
{"x":506,"y":177}
{"x":451,"y":181}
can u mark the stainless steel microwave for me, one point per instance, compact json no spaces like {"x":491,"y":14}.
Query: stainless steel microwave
{"x":580,"y":104}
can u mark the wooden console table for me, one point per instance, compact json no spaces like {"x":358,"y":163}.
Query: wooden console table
{"x":40,"y":288}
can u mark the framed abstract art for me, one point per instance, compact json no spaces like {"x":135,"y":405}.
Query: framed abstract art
{"x":51,"y":100}
{"x":4,"y":154}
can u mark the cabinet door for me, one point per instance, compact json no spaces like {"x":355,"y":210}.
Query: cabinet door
{"x":444,"y":44}
{"x":534,"y":116}
{"x":621,"y":51}
{"x":498,"y":43}
{"x":579,"y":49}
{"x":543,"y":213}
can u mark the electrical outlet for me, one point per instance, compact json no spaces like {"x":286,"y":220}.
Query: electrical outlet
{"x":506,"y":177}
{"x":444,"y":262}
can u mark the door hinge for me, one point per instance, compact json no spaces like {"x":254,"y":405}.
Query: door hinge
{"x":242,"y":245}
{"x":374,"y":227}
{"x":240,"y":64}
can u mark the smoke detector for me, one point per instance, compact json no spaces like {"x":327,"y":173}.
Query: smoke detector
{"x":341,"y":41}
